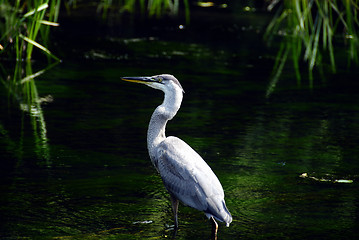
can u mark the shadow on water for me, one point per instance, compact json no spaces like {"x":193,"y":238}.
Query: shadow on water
{"x":84,"y":173}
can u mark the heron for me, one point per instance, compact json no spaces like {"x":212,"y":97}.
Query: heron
{"x":185,"y":175}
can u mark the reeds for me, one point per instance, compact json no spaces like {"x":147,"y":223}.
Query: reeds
{"x":308,"y":29}
{"x":26,"y":25}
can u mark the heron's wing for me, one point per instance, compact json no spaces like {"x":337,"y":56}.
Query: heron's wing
{"x":187,"y":176}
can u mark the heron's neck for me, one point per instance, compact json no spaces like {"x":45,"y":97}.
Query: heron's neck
{"x":164,"y":112}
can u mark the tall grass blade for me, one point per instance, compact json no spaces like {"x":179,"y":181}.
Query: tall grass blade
{"x":39,"y":46}
{"x":281,"y":59}
{"x":48,"y":23}
{"x":32,"y":76}
{"x":32,"y":12}
{"x":317,"y":28}
{"x":296,"y":46}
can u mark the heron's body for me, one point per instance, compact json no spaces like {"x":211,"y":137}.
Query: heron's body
{"x":186,"y":176}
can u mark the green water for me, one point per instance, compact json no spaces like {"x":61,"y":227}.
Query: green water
{"x":89,"y":175}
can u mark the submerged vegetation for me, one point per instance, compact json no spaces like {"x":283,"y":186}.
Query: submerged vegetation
{"x":310,"y":29}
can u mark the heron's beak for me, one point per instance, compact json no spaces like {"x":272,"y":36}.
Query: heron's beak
{"x":144,"y":80}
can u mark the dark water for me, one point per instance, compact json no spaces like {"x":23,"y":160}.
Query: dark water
{"x":79,"y":169}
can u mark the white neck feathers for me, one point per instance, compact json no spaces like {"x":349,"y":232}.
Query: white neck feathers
{"x":164,"y":112}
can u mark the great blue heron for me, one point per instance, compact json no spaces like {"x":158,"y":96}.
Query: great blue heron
{"x":186,"y":176}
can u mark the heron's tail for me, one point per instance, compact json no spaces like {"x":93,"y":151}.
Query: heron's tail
{"x":220,"y":212}
{"x":228,"y":218}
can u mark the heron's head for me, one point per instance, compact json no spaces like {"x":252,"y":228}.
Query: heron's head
{"x":164,"y":82}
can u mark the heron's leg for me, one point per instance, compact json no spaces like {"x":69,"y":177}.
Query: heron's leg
{"x":214,"y":228}
{"x":175,"y":202}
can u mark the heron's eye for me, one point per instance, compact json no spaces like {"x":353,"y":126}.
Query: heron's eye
{"x":160,"y":79}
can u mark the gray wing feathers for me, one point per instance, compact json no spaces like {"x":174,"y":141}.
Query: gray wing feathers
{"x":188,"y":177}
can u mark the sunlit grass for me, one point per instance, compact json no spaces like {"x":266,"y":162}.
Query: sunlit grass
{"x":309,"y":31}
{"x":26,"y":25}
